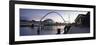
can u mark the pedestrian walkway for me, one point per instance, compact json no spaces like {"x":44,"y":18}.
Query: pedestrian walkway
{"x":78,"y":29}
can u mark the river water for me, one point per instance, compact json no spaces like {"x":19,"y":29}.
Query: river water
{"x":45,"y":30}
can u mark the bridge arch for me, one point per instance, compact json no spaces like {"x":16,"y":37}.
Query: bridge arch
{"x":45,"y":16}
{"x":50,"y":13}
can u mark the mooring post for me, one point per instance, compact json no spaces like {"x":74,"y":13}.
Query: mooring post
{"x":58,"y":31}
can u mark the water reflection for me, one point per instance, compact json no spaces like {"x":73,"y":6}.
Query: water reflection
{"x":45,"y":30}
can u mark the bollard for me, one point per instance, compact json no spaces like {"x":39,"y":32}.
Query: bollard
{"x":38,"y":31}
{"x":58,"y":31}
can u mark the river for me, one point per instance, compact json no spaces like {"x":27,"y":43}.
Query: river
{"x":45,"y":30}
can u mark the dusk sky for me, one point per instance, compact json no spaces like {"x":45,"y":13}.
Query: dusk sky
{"x":37,"y":14}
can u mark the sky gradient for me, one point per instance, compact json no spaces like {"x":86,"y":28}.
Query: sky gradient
{"x":37,"y":14}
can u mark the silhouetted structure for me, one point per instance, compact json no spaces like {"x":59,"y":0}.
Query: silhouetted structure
{"x":83,"y":19}
{"x":48,"y":21}
{"x":66,"y":29}
{"x":58,"y":31}
{"x":38,"y":31}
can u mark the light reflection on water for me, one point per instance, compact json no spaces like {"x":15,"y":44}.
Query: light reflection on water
{"x":45,"y":30}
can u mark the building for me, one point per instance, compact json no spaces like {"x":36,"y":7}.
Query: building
{"x":48,"y":21}
{"x":83,"y":19}
{"x":24,"y":23}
